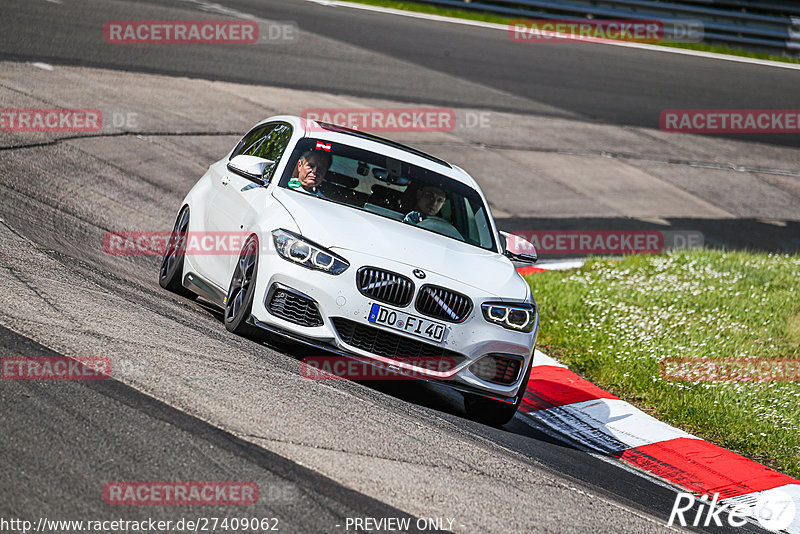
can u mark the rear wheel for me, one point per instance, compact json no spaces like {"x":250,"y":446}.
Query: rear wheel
{"x":239,"y":302}
{"x":493,"y":412}
{"x":171,"y":271}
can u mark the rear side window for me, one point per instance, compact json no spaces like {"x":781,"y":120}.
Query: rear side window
{"x":268,"y":141}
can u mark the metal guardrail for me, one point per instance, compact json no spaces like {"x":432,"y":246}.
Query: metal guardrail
{"x":763,"y":26}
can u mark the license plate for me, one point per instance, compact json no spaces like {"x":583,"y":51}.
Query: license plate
{"x":404,"y":322}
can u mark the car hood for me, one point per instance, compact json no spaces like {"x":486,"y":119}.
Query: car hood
{"x":336,"y":226}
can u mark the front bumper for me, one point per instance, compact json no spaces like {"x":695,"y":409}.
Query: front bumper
{"x":337,"y":297}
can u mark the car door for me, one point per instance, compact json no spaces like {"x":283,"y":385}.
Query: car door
{"x":235,"y":201}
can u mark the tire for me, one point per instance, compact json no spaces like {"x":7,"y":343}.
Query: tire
{"x":239,"y":302}
{"x":171,"y":270}
{"x":492,"y":412}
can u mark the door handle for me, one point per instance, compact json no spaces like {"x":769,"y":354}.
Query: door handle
{"x":226,"y":179}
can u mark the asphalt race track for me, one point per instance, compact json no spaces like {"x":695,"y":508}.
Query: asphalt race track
{"x":188,"y":400}
{"x":368,"y":54}
{"x":90,"y":423}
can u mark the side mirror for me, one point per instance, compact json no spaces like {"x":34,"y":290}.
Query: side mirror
{"x":251,"y":167}
{"x":519,"y":249}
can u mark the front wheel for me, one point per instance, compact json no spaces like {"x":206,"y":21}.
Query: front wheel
{"x":171,"y":271}
{"x":493,"y":412}
{"x":239,"y":302}
{"x":488,"y":411}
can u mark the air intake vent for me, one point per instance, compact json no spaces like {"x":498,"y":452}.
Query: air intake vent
{"x":385,"y":286}
{"x":442,"y":303}
{"x":496,"y":368}
{"x":294,"y":308}
{"x":389,"y":345}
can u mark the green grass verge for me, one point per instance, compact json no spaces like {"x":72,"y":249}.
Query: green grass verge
{"x":613,"y":321}
{"x":487,"y":17}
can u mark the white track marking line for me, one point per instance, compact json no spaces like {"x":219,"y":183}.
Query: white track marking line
{"x":540,"y":358}
{"x":599,"y":433}
{"x":594,"y":453}
{"x":562,"y":265}
{"x":609,"y":422}
{"x":491,"y":25}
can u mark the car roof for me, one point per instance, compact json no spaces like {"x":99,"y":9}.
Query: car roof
{"x":340,"y":134}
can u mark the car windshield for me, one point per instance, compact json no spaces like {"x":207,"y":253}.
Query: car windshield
{"x":390,"y":188}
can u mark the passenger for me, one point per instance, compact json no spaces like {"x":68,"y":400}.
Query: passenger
{"x":430,"y":200}
{"x":310,"y":170}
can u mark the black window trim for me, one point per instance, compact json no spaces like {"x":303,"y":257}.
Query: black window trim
{"x":238,"y":147}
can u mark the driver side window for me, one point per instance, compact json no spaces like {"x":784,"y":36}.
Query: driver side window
{"x":268,"y":141}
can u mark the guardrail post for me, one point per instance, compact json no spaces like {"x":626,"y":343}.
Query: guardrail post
{"x":793,"y":42}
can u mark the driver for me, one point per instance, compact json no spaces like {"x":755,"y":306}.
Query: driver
{"x":430,"y":200}
{"x":309,"y":171}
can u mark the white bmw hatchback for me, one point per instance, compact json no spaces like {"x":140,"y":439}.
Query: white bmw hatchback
{"x":366,"y":248}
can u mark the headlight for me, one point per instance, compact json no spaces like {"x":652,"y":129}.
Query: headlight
{"x":292,"y":247}
{"x":521,"y":317}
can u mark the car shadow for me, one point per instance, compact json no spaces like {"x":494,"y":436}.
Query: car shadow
{"x":439,"y":398}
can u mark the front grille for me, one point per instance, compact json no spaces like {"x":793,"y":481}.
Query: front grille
{"x":385,"y":286}
{"x":442,"y":303}
{"x":383,"y":343}
{"x":294,"y":308}
{"x":497,"y":369}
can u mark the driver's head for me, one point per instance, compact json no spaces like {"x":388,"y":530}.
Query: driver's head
{"x":311,"y":168}
{"x":430,"y":200}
